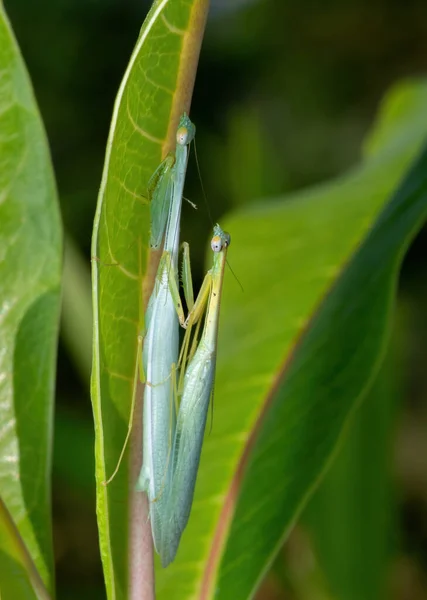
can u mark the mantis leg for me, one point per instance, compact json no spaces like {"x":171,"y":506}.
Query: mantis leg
{"x":194,"y":317}
{"x":198,"y":310}
{"x":132,"y":410}
{"x":187,"y":281}
{"x":168,"y":271}
{"x":195,"y":309}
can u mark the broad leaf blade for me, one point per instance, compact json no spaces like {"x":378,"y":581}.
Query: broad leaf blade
{"x":156,"y":89}
{"x":350,"y":517}
{"x":19,"y":576}
{"x":30,"y":264}
{"x":295,"y":353}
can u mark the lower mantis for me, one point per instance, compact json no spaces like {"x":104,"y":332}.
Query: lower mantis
{"x":195,"y":391}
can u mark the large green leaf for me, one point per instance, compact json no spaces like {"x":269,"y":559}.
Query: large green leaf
{"x":297,"y":350}
{"x":30,"y":263}
{"x":19,"y":576}
{"x":350,"y":516}
{"x":155,"y":90}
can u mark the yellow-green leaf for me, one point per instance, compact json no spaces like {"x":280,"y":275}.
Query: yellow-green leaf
{"x":30,"y":268}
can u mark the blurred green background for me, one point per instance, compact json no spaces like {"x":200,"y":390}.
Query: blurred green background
{"x":284,"y":95}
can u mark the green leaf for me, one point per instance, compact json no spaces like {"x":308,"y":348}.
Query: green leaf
{"x":296,"y":352}
{"x":19,"y":577}
{"x":351,"y":515}
{"x":155,"y":90}
{"x":30,"y":265}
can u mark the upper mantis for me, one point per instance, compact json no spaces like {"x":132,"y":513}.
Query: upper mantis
{"x":160,"y":351}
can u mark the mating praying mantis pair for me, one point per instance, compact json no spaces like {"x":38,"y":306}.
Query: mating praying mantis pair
{"x":178,"y":384}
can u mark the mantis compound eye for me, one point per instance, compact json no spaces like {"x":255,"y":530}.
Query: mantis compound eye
{"x":182,"y":136}
{"x":216,"y":243}
{"x":226,"y":239}
{"x":220,"y":240}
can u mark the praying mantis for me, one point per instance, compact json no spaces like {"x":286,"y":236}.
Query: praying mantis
{"x":198,"y":369}
{"x":174,"y":419}
{"x":161,"y":341}
{"x":175,"y":410}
